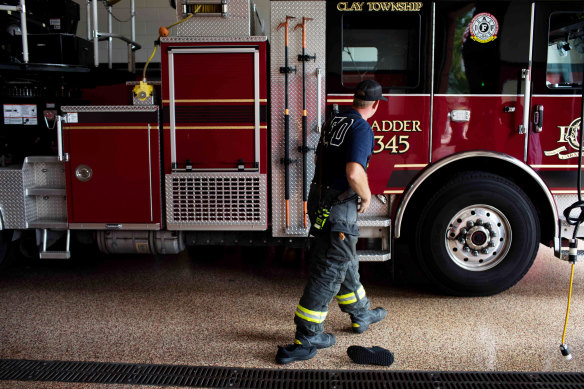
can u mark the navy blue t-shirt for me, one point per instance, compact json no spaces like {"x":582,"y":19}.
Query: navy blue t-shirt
{"x":346,"y":138}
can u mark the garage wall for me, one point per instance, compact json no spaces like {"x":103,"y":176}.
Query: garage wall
{"x":150,"y":15}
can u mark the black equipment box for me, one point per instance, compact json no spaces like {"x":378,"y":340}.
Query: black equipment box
{"x":66,"y":49}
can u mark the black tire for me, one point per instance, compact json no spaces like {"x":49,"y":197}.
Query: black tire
{"x":477,"y":259}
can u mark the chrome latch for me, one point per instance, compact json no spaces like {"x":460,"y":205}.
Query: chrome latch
{"x":459,"y":115}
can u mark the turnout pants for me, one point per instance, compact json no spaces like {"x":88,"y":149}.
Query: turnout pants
{"x":334,"y":272}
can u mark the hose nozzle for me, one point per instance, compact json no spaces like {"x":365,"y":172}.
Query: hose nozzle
{"x":565,"y":351}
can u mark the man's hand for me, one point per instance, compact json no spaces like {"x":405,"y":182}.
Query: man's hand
{"x":358,"y":181}
{"x":364,"y":204}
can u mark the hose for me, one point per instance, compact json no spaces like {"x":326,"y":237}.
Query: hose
{"x":148,"y":62}
{"x":569,"y":300}
{"x":575,"y":221}
{"x":163,"y":31}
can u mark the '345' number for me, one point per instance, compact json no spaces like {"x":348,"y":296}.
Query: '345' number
{"x":398,"y":144}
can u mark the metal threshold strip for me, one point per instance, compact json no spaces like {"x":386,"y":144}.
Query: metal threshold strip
{"x":228,"y":377}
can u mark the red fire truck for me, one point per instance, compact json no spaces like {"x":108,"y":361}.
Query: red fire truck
{"x":468,"y":174}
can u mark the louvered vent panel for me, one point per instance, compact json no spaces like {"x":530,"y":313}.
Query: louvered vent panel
{"x":216,"y":201}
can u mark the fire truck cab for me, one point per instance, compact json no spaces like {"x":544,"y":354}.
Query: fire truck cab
{"x":469,"y":176}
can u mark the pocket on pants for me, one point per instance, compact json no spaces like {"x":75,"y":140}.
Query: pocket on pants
{"x":343,"y":218}
{"x":342,"y":246}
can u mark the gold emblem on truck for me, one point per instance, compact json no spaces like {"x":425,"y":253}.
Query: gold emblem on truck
{"x":569,"y":135}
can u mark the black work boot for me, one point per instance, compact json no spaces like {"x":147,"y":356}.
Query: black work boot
{"x":322,"y":340}
{"x":362,"y":321}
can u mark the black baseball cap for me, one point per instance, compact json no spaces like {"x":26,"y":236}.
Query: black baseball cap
{"x":369,"y":90}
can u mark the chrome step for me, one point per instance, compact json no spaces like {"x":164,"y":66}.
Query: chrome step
{"x":373,"y":255}
{"x":374,"y":221}
{"x":42,"y":159}
{"x":57,"y":254}
{"x":45,"y":191}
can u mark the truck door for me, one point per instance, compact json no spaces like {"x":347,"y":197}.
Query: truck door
{"x":556,"y":101}
{"x":481,"y":49}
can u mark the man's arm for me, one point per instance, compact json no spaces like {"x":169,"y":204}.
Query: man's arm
{"x":357,"y":178}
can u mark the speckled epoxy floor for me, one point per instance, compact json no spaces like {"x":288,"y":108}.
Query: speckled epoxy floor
{"x":211,"y":307}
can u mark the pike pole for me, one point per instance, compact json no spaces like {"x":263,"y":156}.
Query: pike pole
{"x":304,"y":58}
{"x":286,"y":160}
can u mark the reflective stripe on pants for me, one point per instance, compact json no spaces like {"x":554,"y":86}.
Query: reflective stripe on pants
{"x":307,"y":314}
{"x":352,"y":297}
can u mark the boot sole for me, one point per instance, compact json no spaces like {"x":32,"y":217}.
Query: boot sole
{"x":370,"y":356}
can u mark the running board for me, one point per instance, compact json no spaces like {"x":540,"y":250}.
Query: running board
{"x":373,"y":221}
{"x":44,"y":254}
{"x":373,"y":255}
{"x":55,"y":254}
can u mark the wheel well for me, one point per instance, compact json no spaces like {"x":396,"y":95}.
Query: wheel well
{"x":493,"y":165}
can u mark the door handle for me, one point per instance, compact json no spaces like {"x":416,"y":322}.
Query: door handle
{"x":538,"y":118}
{"x":526,"y":76}
{"x":61,"y":156}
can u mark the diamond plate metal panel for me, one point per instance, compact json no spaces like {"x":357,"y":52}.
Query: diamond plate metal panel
{"x":315,"y":44}
{"x":108,"y":108}
{"x":51,"y":208}
{"x":563,"y":201}
{"x":220,"y":39}
{"x":49,"y":175}
{"x":148,"y":101}
{"x":44,"y":173}
{"x":216,"y":201}
{"x":377,"y":208}
{"x":12,"y":204}
{"x":237,"y":22}
{"x":29,"y":201}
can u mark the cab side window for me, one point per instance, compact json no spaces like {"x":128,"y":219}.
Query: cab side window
{"x":481,"y":47}
{"x":382,"y":47}
{"x":565,"y":56}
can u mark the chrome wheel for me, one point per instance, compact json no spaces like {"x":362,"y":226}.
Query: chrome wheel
{"x":478,"y":237}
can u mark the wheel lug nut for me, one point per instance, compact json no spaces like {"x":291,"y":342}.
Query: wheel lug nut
{"x":488,"y":226}
{"x":493,"y":234}
{"x":479,"y":222}
{"x":484,"y":251}
{"x":461,"y":239}
{"x":475,"y":253}
{"x":463,"y":231}
{"x":469,"y":224}
{"x":492,"y":243}
{"x":466,"y":249}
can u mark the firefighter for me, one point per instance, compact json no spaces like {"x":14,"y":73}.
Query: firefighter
{"x":340,"y":178}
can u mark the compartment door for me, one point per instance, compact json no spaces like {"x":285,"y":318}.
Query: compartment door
{"x":214,"y":108}
{"x":113,"y":173}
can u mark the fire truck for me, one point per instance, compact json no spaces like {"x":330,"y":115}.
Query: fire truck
{"x":469,"y":176}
